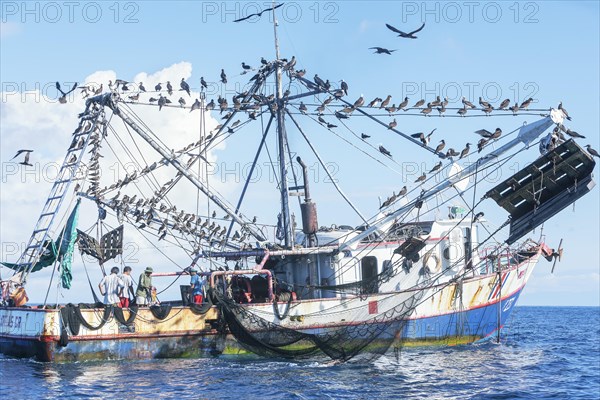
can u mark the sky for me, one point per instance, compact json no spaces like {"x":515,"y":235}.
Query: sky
{"x":547,"y":50}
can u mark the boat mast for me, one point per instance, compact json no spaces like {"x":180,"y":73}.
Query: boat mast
{"x":282,"y":143}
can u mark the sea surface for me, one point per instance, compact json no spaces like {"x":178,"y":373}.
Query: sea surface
{"x":544,"y":352}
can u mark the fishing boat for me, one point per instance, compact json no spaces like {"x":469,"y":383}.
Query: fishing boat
{"x":421,"y":267}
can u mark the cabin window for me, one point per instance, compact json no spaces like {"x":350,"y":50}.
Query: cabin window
{"x":369,"y":282}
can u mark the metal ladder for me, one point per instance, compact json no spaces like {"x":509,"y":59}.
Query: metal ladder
{"x":68,"y":173}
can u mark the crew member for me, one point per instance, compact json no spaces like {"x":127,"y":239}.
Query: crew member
{"x":127,"y":291}
{"x":197,"y":285}
{"x":144,"y":289}
{"x":110,"y":286}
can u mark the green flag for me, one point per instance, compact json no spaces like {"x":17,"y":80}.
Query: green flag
{"x":66,"y":245}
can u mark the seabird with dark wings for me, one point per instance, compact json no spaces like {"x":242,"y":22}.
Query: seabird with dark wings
{"x":258,"y":14}
{"x":409,"y":35}
{"x":63,"y":98}
{"x":26,"y":159}
{"x":385,"y":151}
{"x":381,"y":50}
{"x":184,"y":86}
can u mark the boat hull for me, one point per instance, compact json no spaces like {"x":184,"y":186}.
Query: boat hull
{"x":447,"y":314}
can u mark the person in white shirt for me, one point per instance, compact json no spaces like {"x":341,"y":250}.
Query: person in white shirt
{"x":110,"y":286}
{"x":127,"y":288}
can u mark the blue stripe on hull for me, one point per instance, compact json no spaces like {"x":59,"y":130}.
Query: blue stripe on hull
{"x":478,"y":323}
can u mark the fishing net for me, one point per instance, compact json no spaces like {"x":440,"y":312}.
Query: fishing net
{"x":369,"y":335}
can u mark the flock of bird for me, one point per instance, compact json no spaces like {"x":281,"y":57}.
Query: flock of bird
{"x":401,"y":34}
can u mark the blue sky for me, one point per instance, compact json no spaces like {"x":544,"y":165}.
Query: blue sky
{"x":548,"y":50}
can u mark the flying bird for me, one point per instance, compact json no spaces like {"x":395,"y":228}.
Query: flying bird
{"x":381,"y":50}
{"x":409,"y":35}
{"x":258,"y":14}
{"x":63,"y":98}
{"x":223,"y":76}
{"x":26,"y":159}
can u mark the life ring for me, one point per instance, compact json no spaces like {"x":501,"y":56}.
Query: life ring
{"x":436,"y":259}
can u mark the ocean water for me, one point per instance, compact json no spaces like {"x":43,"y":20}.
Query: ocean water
{"x":544,"y":352}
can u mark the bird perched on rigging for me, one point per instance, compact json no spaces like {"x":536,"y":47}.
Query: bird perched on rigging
{"x":162,"y":100}
{"x":467,"y":103}
{"x":169,"y":88}
{"x":359,"y":102}
{"x":425,"y":139}
{"x":320,"y":83}
{"x":504,"y":104}
{"x":514,"y":108}
{"x":440,"y":146}
{"x":409,"y":35}
{"x":436,"y":167}
{"x":465,"y":151}
{"x":402,"y":106}
{"x":385,"y":102}
{"x":419,"y":103}
{"x":344,"y":87}
{"x":489,"y":135}
{"x":246,"y":67}
{"x":196,"y":105}
{"x":484,"y":103}
{"x":158,"y":87}
{"x":364,"y":136}
{"x":526,"y":103}
{"x":481,"y":144}
{"x":564,"y":111}
{"x":181,"y":102}
{"x":571,"y":133}
{"x":592,"y":152}
{"x":477,"y":216}
{"x":184,"y":86}
{"x":141,"y":87}
{"x":63,"y":98}
{"x":384,"y":151}
{"x":392,"y":124}
{"x":26,"y":159}
{"x":381,"y":50}
{"x":203,"y":83}
{"x":421,"y":178}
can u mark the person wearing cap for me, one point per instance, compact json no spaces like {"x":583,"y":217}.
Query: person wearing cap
{"x":196,"y":285}
{"x":144,"y":288}
{"x":110,"y":286}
